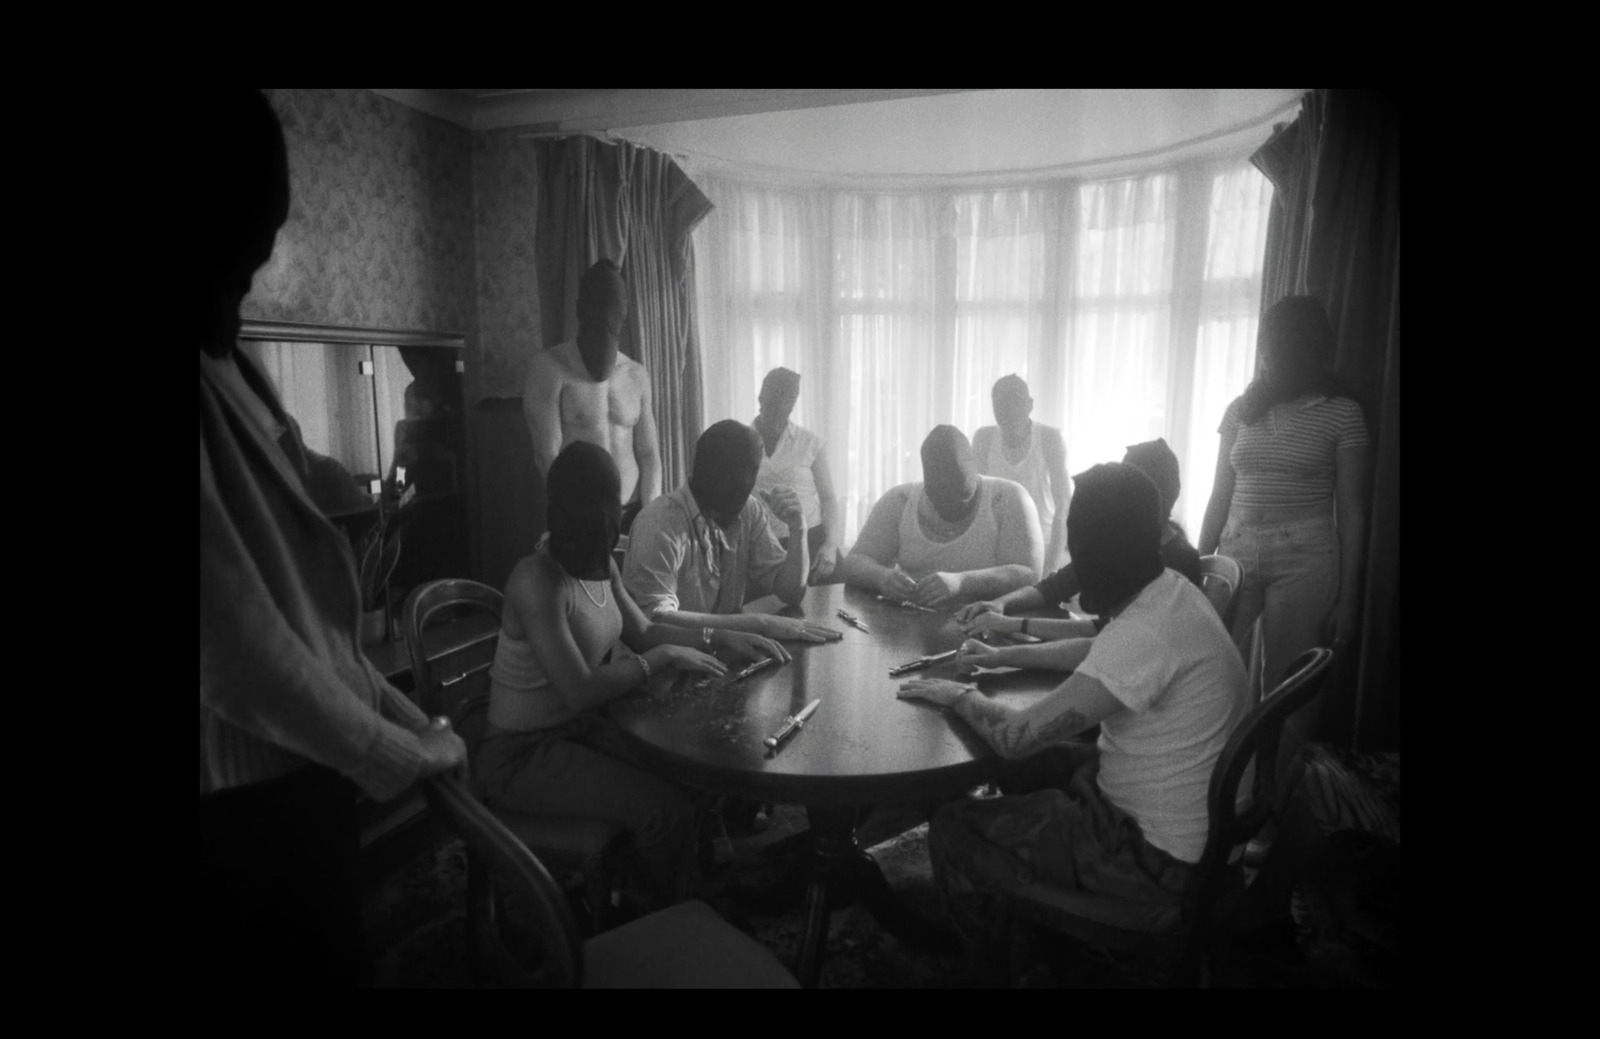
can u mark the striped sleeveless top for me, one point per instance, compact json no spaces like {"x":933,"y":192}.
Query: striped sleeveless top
{"x":1287,"y":459}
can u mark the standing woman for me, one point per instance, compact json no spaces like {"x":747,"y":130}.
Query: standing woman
{"x":1290,"y":500}
{"x":796,"y":459}
{"x":571,"y":639}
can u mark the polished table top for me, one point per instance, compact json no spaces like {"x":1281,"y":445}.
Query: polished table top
{"x":863,"y":746}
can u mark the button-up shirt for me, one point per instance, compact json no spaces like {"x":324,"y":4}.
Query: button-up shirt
{"x":678,"y":559}
{"x":791,"y":466}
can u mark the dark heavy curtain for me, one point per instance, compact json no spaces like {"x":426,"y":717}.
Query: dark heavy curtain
{"x":636,"y":207}
{"x":1335,"y":234}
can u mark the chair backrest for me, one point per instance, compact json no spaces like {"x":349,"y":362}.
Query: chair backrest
{"x":423,"y":603}
{"x":1221,"y":577}
{"x":557,"y":952}
{"x":1254,"y":741}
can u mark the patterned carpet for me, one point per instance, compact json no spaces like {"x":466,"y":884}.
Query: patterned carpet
{"x":416,"y":928}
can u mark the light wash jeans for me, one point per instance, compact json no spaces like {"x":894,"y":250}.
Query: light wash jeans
{"x":1285,"y":603}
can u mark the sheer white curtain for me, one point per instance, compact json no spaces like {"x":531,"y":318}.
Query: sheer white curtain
{"x":1116,"y":336}
{"x":1128,"y":305}
{"x":1225,"y":346}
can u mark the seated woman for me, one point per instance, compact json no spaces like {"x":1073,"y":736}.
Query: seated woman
{"x":1156,"y":460}
{"x":568,"y":643}
{"x":955,"y":535}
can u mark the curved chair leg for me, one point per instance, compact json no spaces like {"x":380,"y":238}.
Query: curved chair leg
{"x":480,"y":914}
{"x":597,"y":881}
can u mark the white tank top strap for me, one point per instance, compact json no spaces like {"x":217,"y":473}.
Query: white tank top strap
{"x":976,"y":548}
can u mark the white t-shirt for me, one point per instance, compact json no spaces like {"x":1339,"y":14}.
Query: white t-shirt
{"x":1169,"y":660}
{"x":790,"y":466}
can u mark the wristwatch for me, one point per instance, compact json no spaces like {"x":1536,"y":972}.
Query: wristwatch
{"x":705,"y":636}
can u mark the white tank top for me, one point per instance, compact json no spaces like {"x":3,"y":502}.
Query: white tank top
{"x":978,"y":547}
{"x":1030,"y":472}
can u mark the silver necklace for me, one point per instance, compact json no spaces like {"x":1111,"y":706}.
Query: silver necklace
{"x":585,"y":586}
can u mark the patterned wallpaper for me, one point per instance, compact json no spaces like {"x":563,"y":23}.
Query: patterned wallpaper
{"x":507,"y":192}
{"x":380,"y":231}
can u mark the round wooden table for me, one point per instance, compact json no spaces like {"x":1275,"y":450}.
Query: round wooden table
{"x":862,"y":748}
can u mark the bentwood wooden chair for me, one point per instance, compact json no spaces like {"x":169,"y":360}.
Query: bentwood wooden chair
{"x":584,"y":847}
{"x":538,"y":945}
{"x":1221,"y":578}
{"x":1199,"y":923}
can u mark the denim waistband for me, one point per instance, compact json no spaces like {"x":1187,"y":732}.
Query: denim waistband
{"x":1297,"y":515}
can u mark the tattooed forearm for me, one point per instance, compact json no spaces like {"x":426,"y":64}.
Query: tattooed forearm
{"x":1012,"y":732}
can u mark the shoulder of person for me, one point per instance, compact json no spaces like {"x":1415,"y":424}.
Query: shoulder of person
{"x":1005,"y":493}
{"x":901,"y":493}
{"x":652,"y":516}
{"x":632,"y":369}
{"x":537,"y":578}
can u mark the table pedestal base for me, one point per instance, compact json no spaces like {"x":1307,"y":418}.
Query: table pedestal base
{"x":841,"y":874}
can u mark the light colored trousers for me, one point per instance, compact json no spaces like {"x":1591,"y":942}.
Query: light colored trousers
{"x":1285,"y":603}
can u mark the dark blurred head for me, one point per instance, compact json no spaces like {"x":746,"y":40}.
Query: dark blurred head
{"x":1114,"y":534}
{"x":779,"y":390}
{"x":949,"y":473}
{"x":602,"y":307}
{"x":241,"y":192}
{"x":1295,"y":348}
{"x":584,"y":510}
{"x":1012,"y":404}
{"x":1156,"y":460}
{"x":727,"y":458}
{"x":1295,"y":340}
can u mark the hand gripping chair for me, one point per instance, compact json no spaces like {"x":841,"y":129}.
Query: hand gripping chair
{"x":685,"y":946}
{"x":1195,"y":925}
{"x":582,"y":846}
{"x":1221,"y":578}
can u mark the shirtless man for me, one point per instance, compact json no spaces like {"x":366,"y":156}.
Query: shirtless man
{"x":586,"y":390}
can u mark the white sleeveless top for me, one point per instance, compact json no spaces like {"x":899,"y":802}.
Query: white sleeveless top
{"x":1030,"y":472}
{"x":978,"y":547}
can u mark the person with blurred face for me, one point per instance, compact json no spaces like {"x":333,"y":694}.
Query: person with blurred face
{"x":1031,"y":453}
{"x":1156,"y":460}
{"x":1289,"y":501}
{"x":586,"y":389}
{"x":1126,"y":816}
{"x":698,"y":553}
{"x":795,"y":462}
{"x":571,"y":640}
{"x":956,"y":535}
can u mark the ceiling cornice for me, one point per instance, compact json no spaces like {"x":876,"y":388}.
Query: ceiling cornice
{"x":445,"y":104}
{"x":588,"y":111}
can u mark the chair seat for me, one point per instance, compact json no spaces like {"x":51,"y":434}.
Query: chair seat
{"x":562,"y":840}
{"x":686,"y":946}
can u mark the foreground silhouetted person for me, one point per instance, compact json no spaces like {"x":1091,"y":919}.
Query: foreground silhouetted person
{"x":293,"y":717}
{"x":1127,"y":816}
